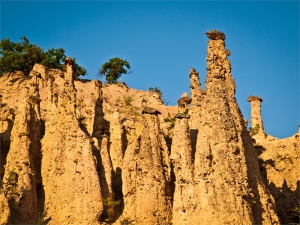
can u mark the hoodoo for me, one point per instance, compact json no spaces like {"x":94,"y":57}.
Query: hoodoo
{"x":280,"y":164}
{"x":256,"y":121}
{"x":76,"y":151}
{"x":227,"y":187}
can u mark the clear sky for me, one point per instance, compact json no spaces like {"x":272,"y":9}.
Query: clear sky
{"x":163,"y":40}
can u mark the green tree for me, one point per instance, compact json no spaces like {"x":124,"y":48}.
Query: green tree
{"x":18,"y":56}
{"x":54,"y":58}
{"x":23,"y":55}
{"x":114,"y":69}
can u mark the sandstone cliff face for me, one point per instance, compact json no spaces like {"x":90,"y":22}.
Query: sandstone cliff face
{"x":20,"y":160}
{"x":23,"y":158}
{"x":75,"y":143}
{"x":68,"y":157}
{"x":146,"y":176}
{"x":182,"y":160}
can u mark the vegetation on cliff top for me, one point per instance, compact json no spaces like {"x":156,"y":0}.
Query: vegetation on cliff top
{"x":114,"y":69}
{"x":22,"y":56}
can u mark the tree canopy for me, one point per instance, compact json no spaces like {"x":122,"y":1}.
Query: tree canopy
{"x":114,"y":69}
{"x":23,"y":55}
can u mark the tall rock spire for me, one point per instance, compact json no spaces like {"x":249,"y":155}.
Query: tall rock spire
{"x":218,"y":73}
{"x":24,"y":148}
{"x":227,"y":185}
{"x":182,"y":160}
{"x":256,"y":121}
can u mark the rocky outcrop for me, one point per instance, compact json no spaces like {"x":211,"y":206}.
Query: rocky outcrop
{"x":146,"y":176}
{"x":68,"y":162}
{"x":116,"y":152}
{"x":182,"y":161}
{"x":223,"y":189}
{"x":22,"y":157}
{"x":6,"y":125}
{"x":279,"y":162}
{"x":86,"y":152}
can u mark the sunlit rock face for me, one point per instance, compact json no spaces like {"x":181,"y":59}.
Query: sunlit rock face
{"x":146,"y":175}
{"x":75,"y":142}
{"x":70,"y":179}
{"x":279,"y":163}
{"x":23,"y":155}
{"x":225,"y":186}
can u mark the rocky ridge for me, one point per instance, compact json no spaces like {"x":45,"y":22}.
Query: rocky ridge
{"x":74,"y":143}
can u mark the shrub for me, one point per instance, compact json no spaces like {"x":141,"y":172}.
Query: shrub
{"x":110,"y":204}
{"x":127,"y":100}
{"x":40,"y":220}
{"x":254,"y":131}
{"x":8,"y":188}
{"x":170,"y":120}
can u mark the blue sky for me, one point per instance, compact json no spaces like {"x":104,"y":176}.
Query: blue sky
{"x":163,"y":40}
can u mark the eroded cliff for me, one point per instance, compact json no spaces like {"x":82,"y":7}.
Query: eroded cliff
{"x":83,"y":152}
{"x":279,"y":162}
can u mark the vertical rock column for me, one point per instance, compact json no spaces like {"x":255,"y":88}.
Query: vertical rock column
{"x":24,"y":144}
{"x":6,"y":124}
{"x":196,"y":95}
{"x":256,"y":121}
{"x":146,"y":176}
{"x":116,"y":152}
{"x":181,"y":158}
{"x":70,"y":179}
{"x":101,"y":145}
{"x":223,"y":191}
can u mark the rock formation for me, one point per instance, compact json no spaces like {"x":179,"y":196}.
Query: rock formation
{"x":223,"y":189}
{"x":19,"y":162}
{"x":81,"y":152}
{"x":182,"y":160}
{"x":146,"y":176}
{"x":280,"y":164}
{"x":116,"y":152}
{"x":68,"y":162}
{"x":256,"y":121}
